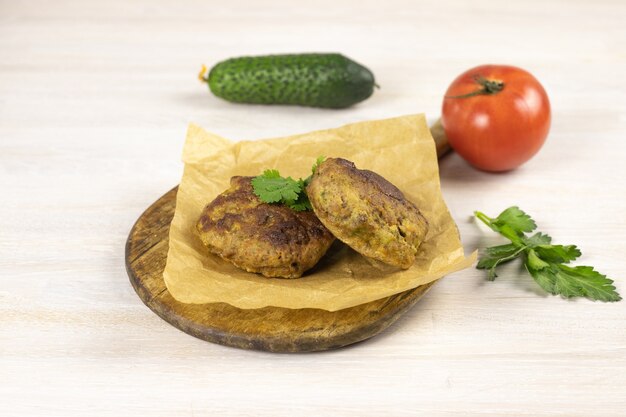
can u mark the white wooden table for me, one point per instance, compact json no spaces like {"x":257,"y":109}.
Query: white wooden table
{"x":95,"y":98}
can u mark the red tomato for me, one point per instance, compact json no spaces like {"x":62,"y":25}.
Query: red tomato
{"x":496,"y":116}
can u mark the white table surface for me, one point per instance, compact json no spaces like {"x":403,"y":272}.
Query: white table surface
{"x":95,"y":98}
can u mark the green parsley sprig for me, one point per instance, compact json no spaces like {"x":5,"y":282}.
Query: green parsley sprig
{"x":272,"y":188}
{"x":545,"y":262}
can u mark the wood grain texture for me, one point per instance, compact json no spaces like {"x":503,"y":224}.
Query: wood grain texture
{"x":95,"y":98}
{"x":270,"y":329}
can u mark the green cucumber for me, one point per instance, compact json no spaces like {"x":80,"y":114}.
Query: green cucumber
{"x":316,"y":80}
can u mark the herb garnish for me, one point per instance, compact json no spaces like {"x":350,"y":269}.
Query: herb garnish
{"x":272,"y":188}
{"x":545,"y":262}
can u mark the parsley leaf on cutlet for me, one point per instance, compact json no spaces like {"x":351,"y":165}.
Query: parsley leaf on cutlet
{"x":272,"y":188}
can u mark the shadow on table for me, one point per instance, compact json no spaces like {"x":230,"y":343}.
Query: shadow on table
{"x":454,"y":170}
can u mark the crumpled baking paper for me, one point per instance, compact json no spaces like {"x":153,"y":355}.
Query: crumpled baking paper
{"x":401,"y":149}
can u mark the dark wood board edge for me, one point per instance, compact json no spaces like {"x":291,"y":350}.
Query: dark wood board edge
{"x":286,"y":330}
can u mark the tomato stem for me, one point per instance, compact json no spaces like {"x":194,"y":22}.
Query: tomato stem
{"x":487,"y":87}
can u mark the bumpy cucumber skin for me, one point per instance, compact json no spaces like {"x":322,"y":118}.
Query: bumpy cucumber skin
{"x":316,"y":80}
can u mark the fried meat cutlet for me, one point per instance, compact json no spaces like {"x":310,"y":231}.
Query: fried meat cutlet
{"x":367,"y":212}
{"x":270,"y":239}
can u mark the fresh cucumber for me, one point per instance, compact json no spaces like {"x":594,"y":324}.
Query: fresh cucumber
{"x":316,"y":80}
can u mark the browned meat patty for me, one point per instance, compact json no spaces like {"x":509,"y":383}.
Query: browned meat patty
{"x":367,"y":212}
{"x":270,"y":239}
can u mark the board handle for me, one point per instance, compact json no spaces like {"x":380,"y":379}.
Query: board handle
{"x":441,"y":140}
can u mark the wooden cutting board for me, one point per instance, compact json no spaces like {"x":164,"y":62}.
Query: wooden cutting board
{"x":271,"y":329}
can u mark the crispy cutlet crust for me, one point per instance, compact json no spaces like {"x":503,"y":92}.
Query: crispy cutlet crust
{"x":270,"y":239}
{"x":367,"y":212}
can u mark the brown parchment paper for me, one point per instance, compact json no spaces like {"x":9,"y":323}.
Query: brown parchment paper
{"x":400,"y":149}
